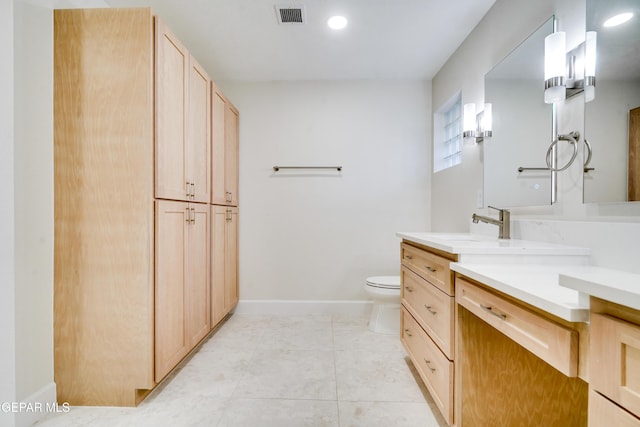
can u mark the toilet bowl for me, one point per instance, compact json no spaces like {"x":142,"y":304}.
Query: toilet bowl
{"x":385,"y":313}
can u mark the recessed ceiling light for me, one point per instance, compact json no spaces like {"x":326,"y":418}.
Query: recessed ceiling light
{"x":618,"y":19}
{"x":337,"y":22}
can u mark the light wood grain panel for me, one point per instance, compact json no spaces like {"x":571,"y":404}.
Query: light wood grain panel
{"x":198,"y":279}
{"x":199,"y":136}
{"x":218,"y":195}
{"x":554,"y":343}
{"x":172,"y":71}
{"x":503,"y":384}
{"x":432,"y":267}
{"x":604,"y":413}
{"x":231,"y":260}
{"x":103,"y":205}
{"x":615,"y":360}
{"x":634,"y":154}
{"x":218,"y":244}
{"x":432,"y":309}
{"x":434,"y":368}
{"x":231,"y":146}
{"x":172,"y":342}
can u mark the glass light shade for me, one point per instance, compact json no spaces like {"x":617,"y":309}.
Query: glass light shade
{"x":469,"y":120}
{"x":555,"y":65}
{"x":487,"y":121}
{"x":590,"y":50}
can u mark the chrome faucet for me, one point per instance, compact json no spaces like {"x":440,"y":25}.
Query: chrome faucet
{"x":503,"y":221}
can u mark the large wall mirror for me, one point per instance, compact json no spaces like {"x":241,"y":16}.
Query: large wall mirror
{"x":514,"y":157}
{"x":610,"y":116}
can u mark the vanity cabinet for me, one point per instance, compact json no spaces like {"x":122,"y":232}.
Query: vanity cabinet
{"x":427,"y":320}
{"x":614,"y":356}
{"x":225,"y":125}
{"x":516,"y":364}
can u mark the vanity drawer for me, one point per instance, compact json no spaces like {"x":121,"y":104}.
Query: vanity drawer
{"x":554,"y":343}
{"x":602,"y":412}
{"x":432,"y":308}
{"x":614,"y":358}
{"x":435,"y":370}
{"x":430,"y":266}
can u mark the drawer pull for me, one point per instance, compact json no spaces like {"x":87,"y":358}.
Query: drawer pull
{"x":429,"y":309}
{"x":428,"y":363}
{"x":431,"y":269}
{"x":408,"y":332}
{"x":409,"y":288}
{"x":490,"y":310}
{"x":408,"y":257}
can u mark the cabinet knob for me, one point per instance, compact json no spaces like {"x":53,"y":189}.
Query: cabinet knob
{"x":430,"y":309}
{"x":431,"y":269}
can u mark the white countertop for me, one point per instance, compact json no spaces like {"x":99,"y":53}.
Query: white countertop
{"x":465,"y":243}
{"x":534,"y":284}
{"x":617,"y":286}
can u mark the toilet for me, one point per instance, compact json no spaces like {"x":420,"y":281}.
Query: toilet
{"x":385,"y":293}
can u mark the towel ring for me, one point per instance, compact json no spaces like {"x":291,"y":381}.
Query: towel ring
{"x":572,"y":138}
{"x":589,"y":153}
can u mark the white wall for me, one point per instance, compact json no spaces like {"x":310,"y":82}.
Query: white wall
{"x":7,"y":255}
{"x":33,"y":165}
{"x":317,"y":236}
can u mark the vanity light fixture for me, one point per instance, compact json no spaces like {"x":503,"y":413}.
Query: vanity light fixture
{"x":555,"y":51}
{"x":337,"y":22}
{"x":567,"y":74}
{"x":478,"y":126}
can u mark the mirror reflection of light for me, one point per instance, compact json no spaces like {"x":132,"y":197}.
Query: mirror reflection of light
{"x":618,"y":19}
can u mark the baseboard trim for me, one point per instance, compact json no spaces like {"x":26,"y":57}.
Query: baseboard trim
{"x":38,"y":406}
{"x":300,"y":307}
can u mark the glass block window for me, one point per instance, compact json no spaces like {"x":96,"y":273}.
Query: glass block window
{"x":447,"y":134}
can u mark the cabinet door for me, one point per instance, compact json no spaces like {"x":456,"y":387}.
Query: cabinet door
{"x":231,"y":259}
{"x":224,"y":262}
{"x":172,"y":68}
{"x":217,"y":147}
{"x":197,"y":278}
{"x":171,"y":342}
{"x":218,"y":243}
{"x":198,"y":143}
{"x":224,"y":163}
{"x":231,"y":123}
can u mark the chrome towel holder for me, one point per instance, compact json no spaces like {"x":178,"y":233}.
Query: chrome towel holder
{"x":572,"y":138}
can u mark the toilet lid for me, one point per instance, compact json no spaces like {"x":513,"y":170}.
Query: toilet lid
{"x":388,"y":282}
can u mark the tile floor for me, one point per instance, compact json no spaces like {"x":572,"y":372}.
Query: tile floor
{"x":264,"y":371}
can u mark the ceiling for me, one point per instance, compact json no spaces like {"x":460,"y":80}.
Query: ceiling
{"x":385,"y":39}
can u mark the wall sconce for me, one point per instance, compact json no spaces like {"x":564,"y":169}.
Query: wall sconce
{"x":478,"y":126}
{"x":567,"y":74}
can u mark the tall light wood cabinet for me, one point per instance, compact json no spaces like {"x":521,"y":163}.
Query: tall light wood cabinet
{"x":132,"y":127}
{"x":182,"y":121}
{"x":225,"y":124}
{"x":224,"y":261}
{"x":103,"y":206}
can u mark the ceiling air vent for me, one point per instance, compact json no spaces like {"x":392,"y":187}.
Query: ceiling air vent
{"x":290,"y":14}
